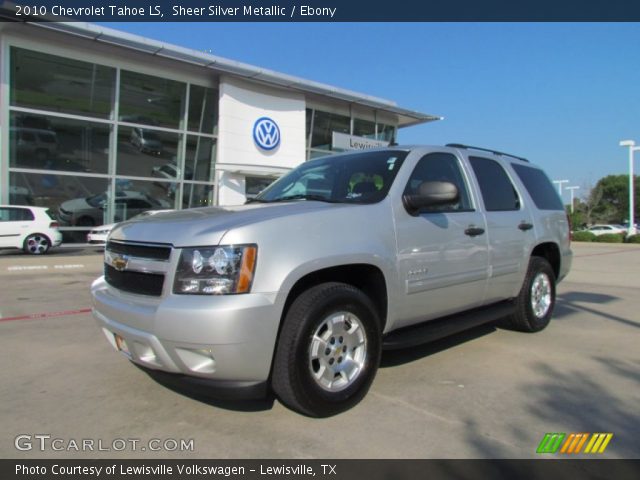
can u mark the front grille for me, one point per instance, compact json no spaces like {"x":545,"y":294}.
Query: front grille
{"x":142,"y":251}
{"x":135,"y":278}
{"x":134,"y":282}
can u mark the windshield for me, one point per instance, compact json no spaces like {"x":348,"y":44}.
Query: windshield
{"x":354,"y":178}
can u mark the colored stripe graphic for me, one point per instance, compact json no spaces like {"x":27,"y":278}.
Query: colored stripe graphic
{"x":598,"y":442}
{"x":550,"y":443}
{"x":574,"y":443}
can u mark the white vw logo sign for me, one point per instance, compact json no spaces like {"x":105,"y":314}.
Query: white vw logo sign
{"x":266,"y":133}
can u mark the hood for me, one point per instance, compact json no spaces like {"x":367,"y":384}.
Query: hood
{"x":76,"y":205}
{"x":207,"y":226}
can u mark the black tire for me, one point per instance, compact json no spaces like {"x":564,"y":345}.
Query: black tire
{"x":293,"y":378}
{"x":36,"y":244}
{"x":539,"y":282}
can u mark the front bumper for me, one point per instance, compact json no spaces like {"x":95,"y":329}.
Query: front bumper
{"x":223,"y":341}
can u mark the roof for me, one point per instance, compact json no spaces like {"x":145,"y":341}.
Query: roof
{"x":138,"y":43}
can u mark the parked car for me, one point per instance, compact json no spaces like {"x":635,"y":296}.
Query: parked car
{"x":98,"y":235}
{"x":33,"y":143}
{"x":147,"y":141}
{"x":169,"y":171}
{"x":603,"y":229}
{"x":299,"y":291}
{"x":89,"y":211}
{"x":32,"y":229}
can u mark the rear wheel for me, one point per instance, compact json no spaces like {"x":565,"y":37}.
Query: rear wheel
{"x":36,"y":244}
{"x":329,"y":350}
{"x":537,"y":298}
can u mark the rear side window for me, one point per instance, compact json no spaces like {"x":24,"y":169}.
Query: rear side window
{"x":15,"y":214}
{"x":498,"y":192}
{"x":539,"y":187}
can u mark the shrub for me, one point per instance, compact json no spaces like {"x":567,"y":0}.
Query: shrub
{"x":610,"y":238}
{"x":583,"y":236}
{"x":634,"y":239}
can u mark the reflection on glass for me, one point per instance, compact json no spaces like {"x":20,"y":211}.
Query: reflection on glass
{"x":151,"y":100}
{"x":136,"y":196}
{"x":143,"y":152}
{"x":66,"y":195}
{"x":324,"y":124}
{"x":200,"y":157}
{"x":386,"y":132}
{"x":48,"y":82}
{"x":364,"y":128}
{"x":197,"y":195}
{"x":50,"y":143}
{"x":203,"y":110}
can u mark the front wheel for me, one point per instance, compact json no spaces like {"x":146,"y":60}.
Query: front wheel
{"x":36,"y":244}
{"x":537,"y":298}
{"x":329,"y":350}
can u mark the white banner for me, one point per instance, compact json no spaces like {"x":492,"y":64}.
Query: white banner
{"x":351,"y":142}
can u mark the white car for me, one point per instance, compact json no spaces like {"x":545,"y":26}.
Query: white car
{"x":98,"y":235}
{"x":602,"y":229}
{"x":32,"y":229}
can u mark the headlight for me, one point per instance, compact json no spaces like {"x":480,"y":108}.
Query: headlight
{"x":216,"y":270}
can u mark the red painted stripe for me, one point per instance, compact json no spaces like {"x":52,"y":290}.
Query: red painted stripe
{"x":35,"y":316}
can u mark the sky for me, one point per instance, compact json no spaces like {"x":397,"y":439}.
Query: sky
{"x":560,"y":94}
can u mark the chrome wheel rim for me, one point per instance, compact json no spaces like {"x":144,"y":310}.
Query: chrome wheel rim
{"x":541,"y":295}
{"x":338,"y":351}
{"x":37,"y":244}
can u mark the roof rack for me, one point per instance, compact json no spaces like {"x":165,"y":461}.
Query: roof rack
{"x":495,"y":152}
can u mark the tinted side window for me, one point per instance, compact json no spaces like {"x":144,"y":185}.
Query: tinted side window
{"x":539,"y":187}
{"x":497,"y":190}
{"x":440,"y":167}
{"x":15,"y":214}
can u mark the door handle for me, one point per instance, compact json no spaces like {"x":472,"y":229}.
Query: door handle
{"x":524,"y":226}
{"x":474,"y":231}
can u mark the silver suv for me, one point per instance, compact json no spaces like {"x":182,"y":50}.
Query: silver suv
{"x":300,"y":290}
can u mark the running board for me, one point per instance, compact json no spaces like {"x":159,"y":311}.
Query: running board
{"x":443,"y":327}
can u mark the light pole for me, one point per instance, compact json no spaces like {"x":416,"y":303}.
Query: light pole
{"x":560,"y":182}
{"x":632,"y":148}
{"x":573,"y":188}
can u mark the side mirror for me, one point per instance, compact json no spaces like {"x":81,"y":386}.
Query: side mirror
{"x":430,"y":194}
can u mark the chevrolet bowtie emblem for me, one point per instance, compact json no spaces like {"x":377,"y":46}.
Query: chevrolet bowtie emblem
{"x":119,"y":262}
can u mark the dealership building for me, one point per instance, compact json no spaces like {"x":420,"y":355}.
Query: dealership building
{"x":99,"y":125}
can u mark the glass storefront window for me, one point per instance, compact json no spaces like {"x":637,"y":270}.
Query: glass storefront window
{"x":143,"y":152}
{"x":198,"y":164}
{"x":386,"y":132}
{"x":151,"y":100}
{"x":324,"y":124}
{"x":66,"y":195}
{"x":59,"y":84}
{"x":136,"y":196}
{"x":52,"y":143}
{"x":364,"y":128}
{"x":203,"y":110}
{"x":254,"y":185}
{"x":197,"y":195}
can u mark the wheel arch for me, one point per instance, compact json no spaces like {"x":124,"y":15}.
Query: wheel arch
{"x":550,"y":251}
{"x":364,"y":276}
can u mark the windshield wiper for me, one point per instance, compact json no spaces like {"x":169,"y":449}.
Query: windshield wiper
{"x":256,"y":200}
{"x":317,"y":198}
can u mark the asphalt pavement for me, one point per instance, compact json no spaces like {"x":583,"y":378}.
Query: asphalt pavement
{"x":486,"y":393}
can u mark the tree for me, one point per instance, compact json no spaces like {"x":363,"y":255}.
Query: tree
{"x":613,"y":205}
